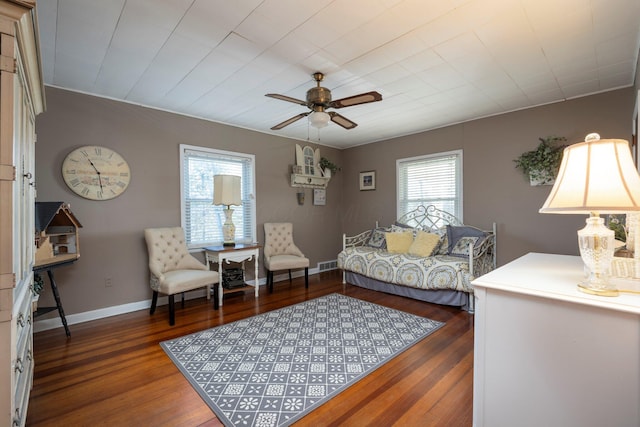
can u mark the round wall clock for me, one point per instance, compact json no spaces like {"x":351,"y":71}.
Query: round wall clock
{"x":96,"y":173}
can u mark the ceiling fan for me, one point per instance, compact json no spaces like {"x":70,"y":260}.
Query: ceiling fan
{"x":318,"y":100}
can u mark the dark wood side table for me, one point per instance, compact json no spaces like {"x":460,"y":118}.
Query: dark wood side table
{"x":49,"y":265}
{"x":239,"y":253}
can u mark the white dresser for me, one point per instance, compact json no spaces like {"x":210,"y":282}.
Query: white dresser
{"x":546,"y":354}
{"x":22,"y":98}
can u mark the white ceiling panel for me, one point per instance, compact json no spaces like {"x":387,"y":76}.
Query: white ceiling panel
{"x":176,"y":58}
{"x":434,"y":62}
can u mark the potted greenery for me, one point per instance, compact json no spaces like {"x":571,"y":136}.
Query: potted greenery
{"x":328,"y":167}
{"x":542,"y":164}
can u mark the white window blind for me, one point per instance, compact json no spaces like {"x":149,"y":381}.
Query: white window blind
{"x":434,"y":179}
{"x":201,"y":220}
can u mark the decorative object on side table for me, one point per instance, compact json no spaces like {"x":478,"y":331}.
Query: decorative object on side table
{"x":367,"y":180}
{"x":596,"y":176}
{"x":57,"y":241}
{"x":541,"y":165}
{"x":618,"y":223}
{"x":226,"y":191}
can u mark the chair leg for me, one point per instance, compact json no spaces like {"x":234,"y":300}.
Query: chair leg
{"x":154,"y":301}
{"x":172,"y":311}
{"x":270,"y":281}
{"x":289,"y":276}
{"x":182,"y":299}
{"x":306,"y":277}
{"x":216,"y":297}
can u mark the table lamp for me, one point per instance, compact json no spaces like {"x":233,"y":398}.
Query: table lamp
{"x":226,"y":191}
{"x":596,"y":176}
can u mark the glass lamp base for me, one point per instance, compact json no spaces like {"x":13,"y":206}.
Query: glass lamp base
{"x":588,"y":288}
{"x":596,"y":249}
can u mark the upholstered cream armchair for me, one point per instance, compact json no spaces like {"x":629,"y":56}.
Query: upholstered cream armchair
{"x":172,"y":268}
{"x":280,"y":253}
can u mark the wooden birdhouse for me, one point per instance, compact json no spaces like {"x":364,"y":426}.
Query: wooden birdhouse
{"x":56,"y":236}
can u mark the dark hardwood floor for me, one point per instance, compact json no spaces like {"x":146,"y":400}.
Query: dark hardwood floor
{"x":112,"y":371}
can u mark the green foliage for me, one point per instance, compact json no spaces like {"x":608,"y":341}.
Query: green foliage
{"x":38,"y":284}
{"x":618,"y":228}
{"x":328,"y":164}
{"x":543,"y":162}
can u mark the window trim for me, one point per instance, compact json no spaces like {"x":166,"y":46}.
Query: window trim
{"x":459,"y":179}
{"x":252,"y":195}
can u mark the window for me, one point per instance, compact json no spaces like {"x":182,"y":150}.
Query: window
{"x":201,"y":220}
{"x":435,"y":179}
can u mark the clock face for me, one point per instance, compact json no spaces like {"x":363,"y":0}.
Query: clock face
{"x":96,"y":173}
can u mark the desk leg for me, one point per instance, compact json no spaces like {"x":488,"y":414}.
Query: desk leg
{"x":56,"y":295}
{"x":256,"y":279}
{"x":215,"y":297}
{"x":220,"y":291}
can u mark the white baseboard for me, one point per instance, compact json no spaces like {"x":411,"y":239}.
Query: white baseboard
{"x":87,"y":316}
{"x":72,"y":319}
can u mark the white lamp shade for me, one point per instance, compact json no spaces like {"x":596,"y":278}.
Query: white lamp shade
{"x":319,"y":119}
{"x":595,"y":176}
{"x":226,"y":190}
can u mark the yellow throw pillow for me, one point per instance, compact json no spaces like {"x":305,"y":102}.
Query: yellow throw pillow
{"x":424,"y":244}
{"x":398,"y":243}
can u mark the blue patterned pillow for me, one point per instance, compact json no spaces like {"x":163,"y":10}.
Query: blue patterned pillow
{"x":377,"y":239}
{"x":456,"y":233}
{"x":443,"y":246}
{"x":461,"y":248}
{"x":397,"y":227}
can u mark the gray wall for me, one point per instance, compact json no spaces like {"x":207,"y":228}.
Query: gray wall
{"x":494,"y":191}
{"x":112,"y":241}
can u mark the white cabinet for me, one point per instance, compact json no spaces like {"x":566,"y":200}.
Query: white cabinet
{"x":546,"y":354}
{"x":21,"y":100}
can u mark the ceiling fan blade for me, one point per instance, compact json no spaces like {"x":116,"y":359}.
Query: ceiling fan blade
{"x":289,"y":121}
{"x":363,"y":98}
{"x":286,"y":98}
{"x":342,"y":120}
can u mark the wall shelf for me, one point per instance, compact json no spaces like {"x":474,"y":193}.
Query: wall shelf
{"x":309,"y":181}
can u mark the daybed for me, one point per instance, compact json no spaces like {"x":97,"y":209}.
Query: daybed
{"x":442,"y":258}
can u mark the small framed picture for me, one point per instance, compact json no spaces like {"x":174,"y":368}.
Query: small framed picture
{"x":319,"y":196}
{"x":367,"y":180}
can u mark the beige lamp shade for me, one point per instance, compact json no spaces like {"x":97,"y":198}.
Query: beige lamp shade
{"x":597,"y":175}
{"x":226,"y":190}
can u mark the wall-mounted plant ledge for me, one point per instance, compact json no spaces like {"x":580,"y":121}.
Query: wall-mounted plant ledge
{"x":308,"y":181}
{"x":541,"y":165}
{"x":308,"y":171}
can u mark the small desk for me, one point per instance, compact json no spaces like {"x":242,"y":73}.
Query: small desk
{"x":48,"y":265}
{"x":240,"y":253}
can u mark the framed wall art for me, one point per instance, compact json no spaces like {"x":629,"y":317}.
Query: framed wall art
{"x":367,"y":180}
{"x":319,"y":196}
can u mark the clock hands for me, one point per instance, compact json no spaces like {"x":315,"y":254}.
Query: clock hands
{"x":98,"y":172}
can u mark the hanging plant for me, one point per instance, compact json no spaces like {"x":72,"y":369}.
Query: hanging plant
{"x":542,"y":164}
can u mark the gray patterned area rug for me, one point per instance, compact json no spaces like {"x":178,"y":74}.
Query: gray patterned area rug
{"x":273,"y":368}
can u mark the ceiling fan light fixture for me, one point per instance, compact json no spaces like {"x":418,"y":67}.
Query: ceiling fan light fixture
{"x":318,"y":100}
{"x":319,"y":119}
